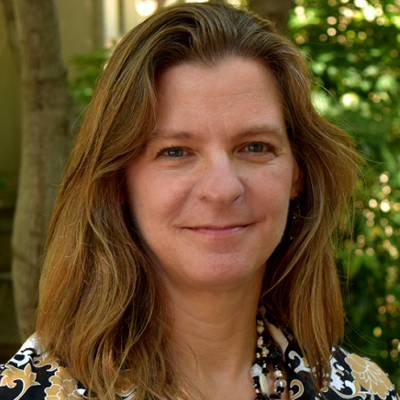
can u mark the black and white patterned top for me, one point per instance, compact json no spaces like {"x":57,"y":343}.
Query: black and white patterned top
{"x":35,"y":375}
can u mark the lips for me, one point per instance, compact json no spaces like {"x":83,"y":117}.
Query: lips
{"x":219,"y":230}
{"x":219,"y":227}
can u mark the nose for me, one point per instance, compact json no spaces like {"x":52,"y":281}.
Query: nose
{"x":220,"y":182}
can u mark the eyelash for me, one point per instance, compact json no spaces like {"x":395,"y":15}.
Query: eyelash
{"x":267,"y":148}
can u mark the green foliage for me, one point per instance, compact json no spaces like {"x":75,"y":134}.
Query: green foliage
{"x":353,"y":51}
{"x":85,"y":70}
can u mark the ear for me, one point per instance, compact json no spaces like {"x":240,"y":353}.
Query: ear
{"x":297,"y":181}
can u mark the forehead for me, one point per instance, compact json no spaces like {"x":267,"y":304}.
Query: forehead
{"x":197,"y":76}
{"x":234,"y":88}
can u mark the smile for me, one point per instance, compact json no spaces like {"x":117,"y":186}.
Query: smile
{"x":212,"y":230}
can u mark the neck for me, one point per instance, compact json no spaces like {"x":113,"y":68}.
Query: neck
{"x":213,"y":337}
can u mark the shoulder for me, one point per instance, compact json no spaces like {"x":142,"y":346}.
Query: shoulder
{"x":33,"y":374}
{"x":352,"y":377}
{"x":356,"y":377}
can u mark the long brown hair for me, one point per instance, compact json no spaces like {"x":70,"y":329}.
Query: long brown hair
{"x":101,"y":307}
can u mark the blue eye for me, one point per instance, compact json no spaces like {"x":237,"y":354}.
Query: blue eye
{"x":257,"y":147}
{"x":173,"y":152}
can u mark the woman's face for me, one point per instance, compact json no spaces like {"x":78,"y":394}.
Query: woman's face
{"x":210,"y":193}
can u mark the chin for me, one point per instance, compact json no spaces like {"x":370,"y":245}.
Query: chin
{"x":220,"y":273}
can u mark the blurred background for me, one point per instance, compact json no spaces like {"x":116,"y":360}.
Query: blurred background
{"x":50,"y":56}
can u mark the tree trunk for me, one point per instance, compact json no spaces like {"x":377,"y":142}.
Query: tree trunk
{"x":46,"y":125}
{"x":276,"y":11}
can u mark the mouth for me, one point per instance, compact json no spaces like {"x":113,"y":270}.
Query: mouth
{"x":219,"y":230}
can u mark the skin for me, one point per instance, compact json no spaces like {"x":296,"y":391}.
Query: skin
{"x":210,"y":196}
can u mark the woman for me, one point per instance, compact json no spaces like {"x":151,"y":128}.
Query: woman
{"x":189,"y":254}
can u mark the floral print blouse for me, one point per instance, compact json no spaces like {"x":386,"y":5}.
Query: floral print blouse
{"x":33,"y":374}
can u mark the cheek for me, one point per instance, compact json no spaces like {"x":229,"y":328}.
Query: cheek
{"x":154,"y":202}
{"x":275,"y":187}
{"x":140,"y":196}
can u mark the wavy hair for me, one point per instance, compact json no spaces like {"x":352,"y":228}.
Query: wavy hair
{"x":101,"y":305}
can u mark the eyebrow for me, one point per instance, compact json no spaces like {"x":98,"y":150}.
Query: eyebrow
{"x":245,"y":132}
